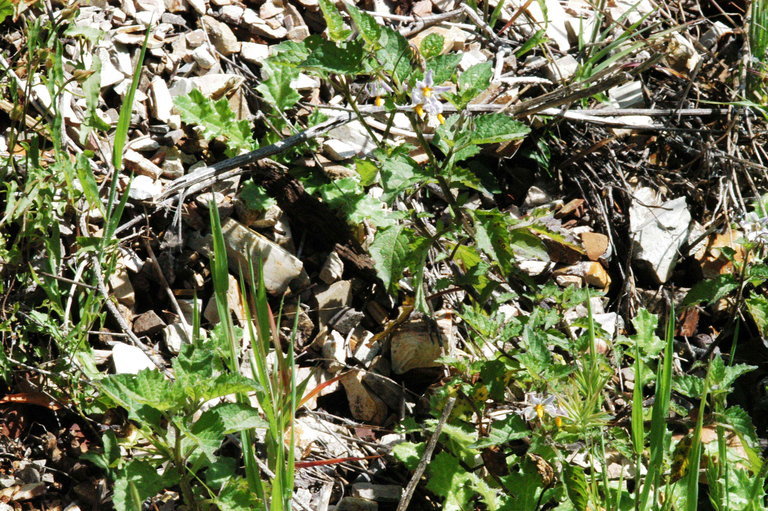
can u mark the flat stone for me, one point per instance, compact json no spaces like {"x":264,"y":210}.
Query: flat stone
{"x":378,"y":492}
{"x":203,"y":57}
{"x":332,"y":299}
{"x":195,"y":38}
{"x":256,"y":25}
{"x":128,"y":359}
{"x":147,"y":323}
{"x":254,"y":53}
{"x":356,"y":504}
{"x":141,"y":165}
{"x":175,"y":335}
{"x":414,"y":345}
{"x":595,"y":244}
{"x":245,"y":246}
{"x":122,"y":289}
{"x":304,"y":82}
{"x":658,"y":231}
{"x":561,"y":69}
{"x":199,"y":6}
{"x":215,"y":85}
{"x":591,"y":272}
{"x":628,"y":95}
{"x":334,"y":352}
{"x":363,"y":404}
{"x":471,"y":58}
{"x":348,"y":141}
{"x":221,"y":35}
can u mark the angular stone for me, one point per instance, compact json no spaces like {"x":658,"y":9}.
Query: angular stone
{"x":234,"y":303}
{"x":356,"y":504}
{"x":147,"y":323}
{"x":215,"y":85}
{"x":128,"y":359}
{"x":221,"y":35}
{"x":332,"y":299}
{"x":203,"y":57}
{"x":333,"y":268}
{"x":628,"y":95}
{"x":414,"y":345}
{"x":144,"y":188}
{"x":595,"y":244}
{"x":254,"y":53}
{"x":591,"y":272}
{"x":122,"y":289}
{"x":175,"y":335}
{"x":363,"y":404}
{"x":141,"y":165}
{"x":334,"y":352}
{"x":562,"y":69}
{"x":256,"y":25}
{"x":245,"y":246}
{"x":658,"y":231}
{"x":378,"y":492}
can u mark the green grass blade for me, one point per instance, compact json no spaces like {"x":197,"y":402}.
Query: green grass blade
{"x":659,"y":416}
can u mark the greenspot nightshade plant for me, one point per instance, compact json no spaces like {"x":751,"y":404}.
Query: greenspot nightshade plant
{"x":426,"y":97}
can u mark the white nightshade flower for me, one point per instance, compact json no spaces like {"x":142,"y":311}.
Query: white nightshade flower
{"x":538,"y":405}
{"x":377,"y":89}
{"x":426,"y":97}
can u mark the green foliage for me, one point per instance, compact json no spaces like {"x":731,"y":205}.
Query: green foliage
{"x":276,"y":88}
{"x":217,"y":120}
{"x":337,"y":30}
{"x":432,"y":45}
{"x":255,"y":197}
{"x":395,"y":249}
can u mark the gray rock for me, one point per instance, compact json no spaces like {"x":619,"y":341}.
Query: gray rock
{"x":658,"y":232}
{"x":129,"y":359}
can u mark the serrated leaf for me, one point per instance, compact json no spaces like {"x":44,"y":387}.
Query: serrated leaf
{"x":448,"y":479}
{"x":398,"y":173}
{"x":237,"y":496}
{"x":337,"y":30}
{"x":135,"y":483}
{"x":738,"y":419}
{"x":148,"y":387}
{"x":409,"y":453}
{"x":367,"y":170}
{"x":390,"y":253}
{"x":722,"y":377}
{"x":395,"y":54}
{"x":348,"y":197}
{"x":472,"y":82}
{"x":276,"y":88}
{"x":495,"y":128}
{"x":209,"y":430}
{"x":369,"y":29}
{"x":710,"y":291}
{"x":328,"y":57}
{"x":443,"y":67}
{"x":645,"y":325}
{"x":217,"y":120}
{"x":512,"y":427}
{"x":6,"y":9}
{"x":432,"y":45}
{"x":688,"y":385}
{"x":576,"y":486}
{"x":758,"y":309}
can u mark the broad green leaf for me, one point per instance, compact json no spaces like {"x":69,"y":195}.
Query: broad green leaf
{"x":398,"y":173}
{"x":443,"y":67}
{"x":758,"y":308}
{"x":369,"y":29}
{"x":454,"y":140}
{"x":276,"y":88}
{"x":368,"y":172}
{"x":356,"y":204}
{"x":395,"y":249}
{"x":495,"y":128}
{"x":576,"y":486}
{"x":512,"y":427}
{"x":217,"y":120}
{"x":148,"y":387}
{"x":395,"y":54}
{"x":88,"y":181}
{"x":209,"y":430}
{"x":337,"y":30}
{"x":472,"y":82}
{"x":688,"y":385}
{"x":327,"y":57}
{"x":722,"y":377}
{"x":738,"y":419}
{"x":432,"y":45}
{"x":527,"y":244}
{"x":136,"y":482}
{"x":255,"y":198}
{"x":6,"y":9}
{"x":409,"y":453}
{"x":448,"y":479}
{"x":237,"y":496}
{"x":710,"y":291}
{"x":291,"y":53}
{"x":87,"y":32}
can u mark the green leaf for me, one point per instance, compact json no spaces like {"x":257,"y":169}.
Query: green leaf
{"x":432,"y":45}
{"x":472,"y":82}
{"x":347,"y":196}
{"x":688,"y":385}
{"x":209,"y":430}
{"x":738,"y":419}
{"x":368,"y":172}
{"x":327,"y":57}
{"x":392,"y":253}
{"x":443,"y":67}
{"x":758,"y":309}
{"x":237,"y":496}
{"x":495,"y":128}
{"x":512,"y":427}
{"x":276,"y":89}
{"x":409,"y":453}
{"x":576,"y":486}
{"x":217,"y":120}
{"x":369,"y":29}
{"x":148,"y":387}
{"x":722,"y":377}
{"x":448,"y":479}
{"x":399,"y":172}
{"x":710,"y":291}
{"x":395,"y":54}
{"x":136,"y":483}
{"x":88,"y":180}
{"x":255,"y":198}
{"x":337,"y":30}
{"x":649,"y":343}
{"x":6,"y":9}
